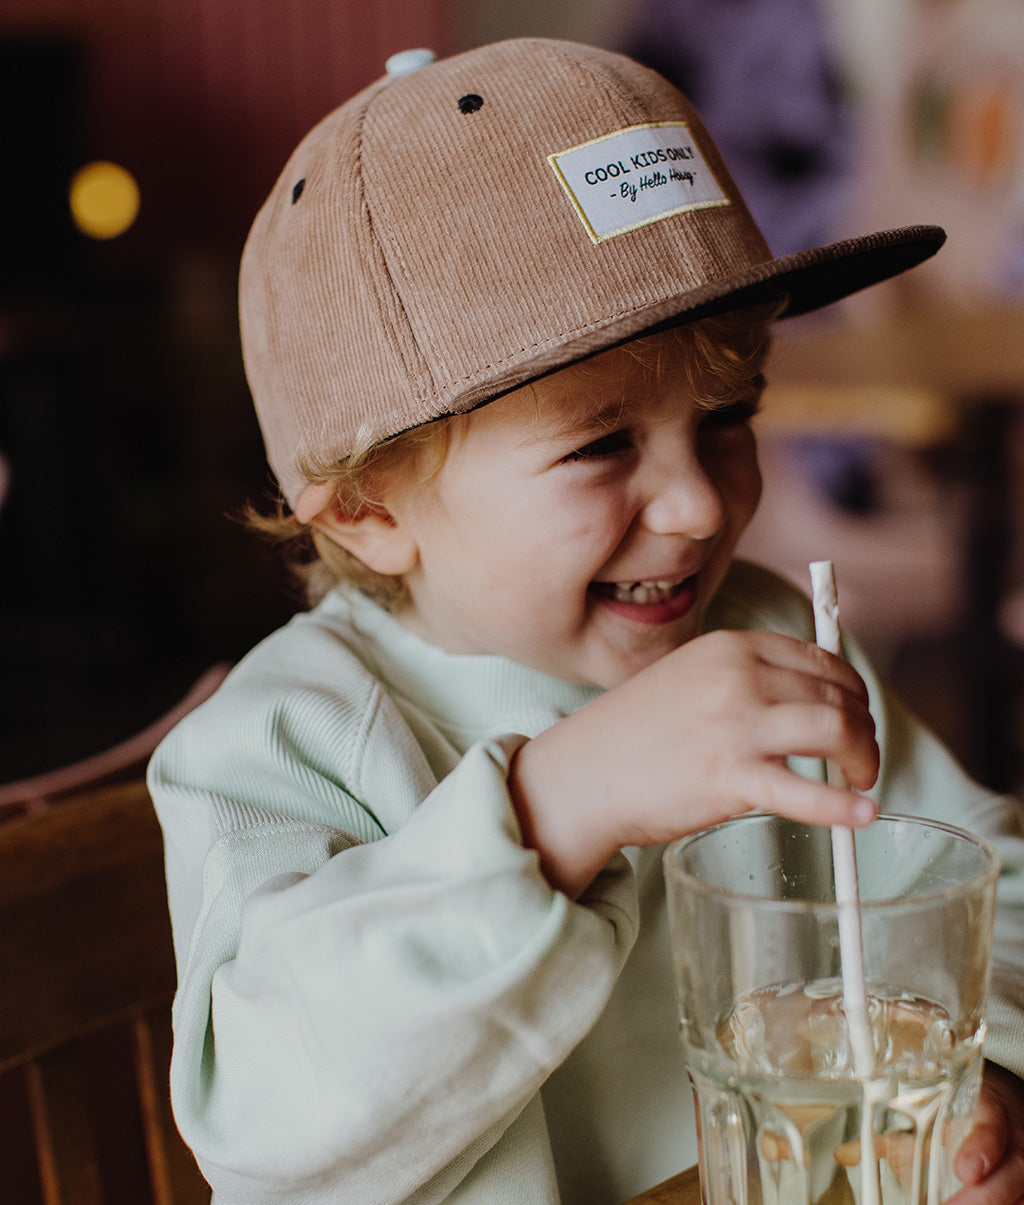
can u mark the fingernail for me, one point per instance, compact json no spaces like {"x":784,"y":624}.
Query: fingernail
{"x":976,"y":1168}
{"x":864,"y":810}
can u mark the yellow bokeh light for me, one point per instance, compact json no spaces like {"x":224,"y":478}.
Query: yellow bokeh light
{"x":104,"y":199}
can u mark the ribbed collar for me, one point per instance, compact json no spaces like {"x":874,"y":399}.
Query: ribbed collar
{"x":473,"y":692}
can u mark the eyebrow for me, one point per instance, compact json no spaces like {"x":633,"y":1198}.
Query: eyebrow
{"x":568,"y":420}
{"x":577,"y":422}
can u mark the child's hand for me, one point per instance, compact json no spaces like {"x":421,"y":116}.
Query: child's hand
{"x":991,"y":1160}
{"x":700,"y":735}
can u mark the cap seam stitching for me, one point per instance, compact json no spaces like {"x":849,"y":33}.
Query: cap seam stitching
{"x":553,"y":340}
{"x":411,"y":370}
{"x":600,"y":75}
{"x":601,"y":80}
{"x":758,"y":277}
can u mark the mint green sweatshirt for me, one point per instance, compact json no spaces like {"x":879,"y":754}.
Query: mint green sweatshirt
{"x":381,"y":999}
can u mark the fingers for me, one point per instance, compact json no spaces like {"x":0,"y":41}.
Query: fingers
{"x":775,"y":669}
{"x":984,"y":1146}
{"x":766,"y":697}
{"x":774,"y":788}
{"x":802,"y":702}
{"x":700,"y":735}
{"x":802,"y":657}
{"x":900,"y":1151}
{"x":1002,"y":1186}
{"x":990,"y":1163}
{"x":838,"y":731}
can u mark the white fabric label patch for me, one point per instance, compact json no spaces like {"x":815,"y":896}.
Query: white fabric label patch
{"x":636,"y":176}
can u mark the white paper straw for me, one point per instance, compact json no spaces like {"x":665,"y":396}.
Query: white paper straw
{"x":844,"y":854}
{"x":851,"y":945}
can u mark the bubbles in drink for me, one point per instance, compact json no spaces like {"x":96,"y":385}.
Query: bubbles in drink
{"x":781,"y":1107}
{"x":802,"y":1030}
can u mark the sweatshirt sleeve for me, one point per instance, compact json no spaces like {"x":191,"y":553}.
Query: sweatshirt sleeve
{"x":362,"y":1020}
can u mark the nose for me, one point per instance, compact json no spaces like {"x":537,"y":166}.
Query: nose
{"x":684,"y":500}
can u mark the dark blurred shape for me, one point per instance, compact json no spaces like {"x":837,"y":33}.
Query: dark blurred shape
{"x":40,"y":94}
{"x":126,"y":426}
{"x":766,"y":81}
{"x":126,"y":760}
{"x":121,"y":578}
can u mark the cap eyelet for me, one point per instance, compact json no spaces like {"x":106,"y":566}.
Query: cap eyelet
{"x":297,"y":190}
{"x":470,"y":103}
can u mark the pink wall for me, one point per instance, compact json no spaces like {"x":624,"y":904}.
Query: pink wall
{"x":203,"y":99}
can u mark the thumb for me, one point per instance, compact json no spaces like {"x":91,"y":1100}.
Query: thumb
{"x":985,"y":1145}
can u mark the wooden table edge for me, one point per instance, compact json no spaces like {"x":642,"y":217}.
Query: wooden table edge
{"x":683,"y":1189}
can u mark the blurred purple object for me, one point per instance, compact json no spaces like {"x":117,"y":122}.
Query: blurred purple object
{"x":767,"y":83}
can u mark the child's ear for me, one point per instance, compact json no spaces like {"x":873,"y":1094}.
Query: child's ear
{"x":371,"y":534}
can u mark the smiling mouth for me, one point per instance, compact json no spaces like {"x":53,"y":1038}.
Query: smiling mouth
{"x":645,"y":593}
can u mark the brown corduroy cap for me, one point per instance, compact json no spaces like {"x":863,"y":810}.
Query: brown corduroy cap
{"x":457,"y":230}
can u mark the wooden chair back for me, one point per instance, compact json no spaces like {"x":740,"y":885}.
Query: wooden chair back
{"x":126,"y":760}
{"x":88,"y":975}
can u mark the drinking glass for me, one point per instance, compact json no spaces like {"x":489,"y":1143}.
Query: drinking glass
{"x":783,"y":1115}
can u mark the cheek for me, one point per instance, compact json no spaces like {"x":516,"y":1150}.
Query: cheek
{"x":738,"y":479}
{"x":586,"y":528}
{"x":753,"y":486}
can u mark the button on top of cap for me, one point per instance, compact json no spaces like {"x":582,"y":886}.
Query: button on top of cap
{"x":408,"y":60}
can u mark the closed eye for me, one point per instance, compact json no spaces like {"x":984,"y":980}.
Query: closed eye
{"x":611,"y":444}
{"x":735,"y":414}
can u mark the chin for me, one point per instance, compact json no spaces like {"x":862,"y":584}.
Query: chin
{"x":611,"y":676}
{"x":628,"y":666}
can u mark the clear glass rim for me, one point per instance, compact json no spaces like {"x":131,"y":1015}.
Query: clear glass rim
{"x":974,"y":882}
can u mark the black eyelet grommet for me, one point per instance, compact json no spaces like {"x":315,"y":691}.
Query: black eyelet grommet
{"x":470,"y":103}
{"x":297,"y":190}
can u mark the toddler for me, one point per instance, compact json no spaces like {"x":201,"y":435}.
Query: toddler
{"x":505,"y":319}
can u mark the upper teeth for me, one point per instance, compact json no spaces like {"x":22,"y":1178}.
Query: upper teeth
{"x":643,"y":592}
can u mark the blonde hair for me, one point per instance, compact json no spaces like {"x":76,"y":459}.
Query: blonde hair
{"x":319,"y":562}
{"x":726,"y":355}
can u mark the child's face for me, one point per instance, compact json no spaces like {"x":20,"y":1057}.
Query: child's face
{"x":582,"y":524}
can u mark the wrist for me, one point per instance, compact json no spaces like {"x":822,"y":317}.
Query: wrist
{"x":559,"y":812}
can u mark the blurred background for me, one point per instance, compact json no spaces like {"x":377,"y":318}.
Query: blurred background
{"x":139,"y":137}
